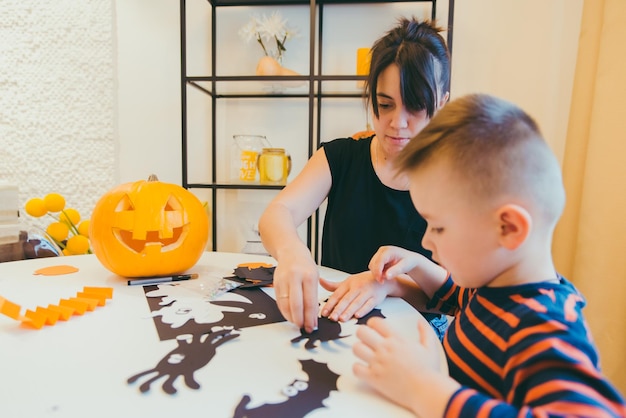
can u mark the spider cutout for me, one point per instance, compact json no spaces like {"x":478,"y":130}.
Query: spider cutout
{"x":192,"y":353}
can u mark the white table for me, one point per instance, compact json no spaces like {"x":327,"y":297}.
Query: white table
{"x":80,"y":367}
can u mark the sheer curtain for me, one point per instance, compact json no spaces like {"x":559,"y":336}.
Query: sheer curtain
{"x":590,"y":241}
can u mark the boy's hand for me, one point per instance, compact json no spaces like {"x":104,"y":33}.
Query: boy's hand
{"x":406,"y":372}
{"x":390,"y":261}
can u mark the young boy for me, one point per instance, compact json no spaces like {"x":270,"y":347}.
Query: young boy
{"x":491,"y":191}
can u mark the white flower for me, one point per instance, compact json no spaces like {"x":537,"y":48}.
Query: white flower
{"x":251,"y":30}
{"x":268,"y":31}
{"x":274,"y":26}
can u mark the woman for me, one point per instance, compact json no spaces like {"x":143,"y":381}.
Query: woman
{"x":368,"y":204}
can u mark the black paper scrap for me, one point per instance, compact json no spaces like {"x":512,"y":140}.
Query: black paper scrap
{"x":260,"y":276}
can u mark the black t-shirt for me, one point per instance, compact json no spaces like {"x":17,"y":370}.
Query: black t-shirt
{"x":362,"y":213}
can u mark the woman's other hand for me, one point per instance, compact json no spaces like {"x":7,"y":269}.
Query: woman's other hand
{"x":355,"y":297}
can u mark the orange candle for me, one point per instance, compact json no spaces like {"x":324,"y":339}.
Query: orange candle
{"x":363,"y":61}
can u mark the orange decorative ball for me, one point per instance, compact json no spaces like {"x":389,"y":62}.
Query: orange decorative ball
{"x":148,"y":228}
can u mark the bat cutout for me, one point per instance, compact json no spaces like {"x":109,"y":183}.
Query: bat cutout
{"x":304,"y":396}
{"x":327,"y":330}
{"x":374,"y":312}
{"x":192,"y":353}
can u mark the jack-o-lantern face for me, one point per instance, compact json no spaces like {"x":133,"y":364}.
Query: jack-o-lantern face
{"x":157,"y":233}
{"x":148,"y":229}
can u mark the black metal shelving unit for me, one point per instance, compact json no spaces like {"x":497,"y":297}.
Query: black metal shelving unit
{"x":315,"y":94}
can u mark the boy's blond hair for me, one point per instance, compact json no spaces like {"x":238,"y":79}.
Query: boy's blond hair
{"x":496,"y":149}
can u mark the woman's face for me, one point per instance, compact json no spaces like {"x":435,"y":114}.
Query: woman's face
{"x":395,"y":125}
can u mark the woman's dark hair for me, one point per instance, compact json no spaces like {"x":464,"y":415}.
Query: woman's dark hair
{"x":421,"y":54}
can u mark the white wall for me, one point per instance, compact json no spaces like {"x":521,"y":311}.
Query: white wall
{"x":148,"y":95}
{"x":57,"y":100}
{"x":284,"y":122}
{"x":522,"y":51}
{"x":122,"y":122}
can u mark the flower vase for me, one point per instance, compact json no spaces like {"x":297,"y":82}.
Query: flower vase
{"x":278,"y":58}
{"x":269,"y":66}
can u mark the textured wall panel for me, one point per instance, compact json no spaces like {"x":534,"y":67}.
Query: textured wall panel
{"x":57,"y":99}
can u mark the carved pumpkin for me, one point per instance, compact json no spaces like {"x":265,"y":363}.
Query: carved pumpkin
{"x":364,"y":134}
{"x":148,"y":228}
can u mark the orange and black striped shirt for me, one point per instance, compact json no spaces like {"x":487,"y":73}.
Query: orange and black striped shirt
{"x":523,"y":351}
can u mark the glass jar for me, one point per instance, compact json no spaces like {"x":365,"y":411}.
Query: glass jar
{"x":274,"y":166}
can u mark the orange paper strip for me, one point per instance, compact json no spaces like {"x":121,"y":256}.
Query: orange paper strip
{"x":79,"y":307}
{"x":105,"y":291}
{"x":91,"y":303}
{"x":51,"y":316}
{"x":34,"y":319}
{"x":89,"y":299}
{"x":65,"y":312}
{"x":102,"y":300}
{"x":10,"y":309}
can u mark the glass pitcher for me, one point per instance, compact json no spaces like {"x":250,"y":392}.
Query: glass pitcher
{"x":246,"y":151}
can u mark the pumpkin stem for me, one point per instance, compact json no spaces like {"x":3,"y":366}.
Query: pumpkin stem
{"x":153,"y":177}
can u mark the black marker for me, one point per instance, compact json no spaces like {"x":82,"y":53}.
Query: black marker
{"x":158,"y":280}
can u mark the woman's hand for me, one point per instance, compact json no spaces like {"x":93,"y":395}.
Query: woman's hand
{"x":296,"y":274}
{"x":295,"y":284}
{"x":355,"y":297}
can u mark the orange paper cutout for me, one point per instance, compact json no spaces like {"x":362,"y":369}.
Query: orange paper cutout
{"x":51,"y":316}
{"x":106,"y":292}
{"x":34,"y":319}
{"x":87,"y":300}
{"x":255,"y":265}
{"x":100,"y":299}
{"x":56,"y":270}
{"x":91,"y":302}
{"x":64,"y":312}
{"x":10,"y":309}
{"x":78,"y":306}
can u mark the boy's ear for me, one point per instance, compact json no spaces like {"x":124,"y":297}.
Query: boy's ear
{"x":515,"y":224}
{"x":444,"y":100}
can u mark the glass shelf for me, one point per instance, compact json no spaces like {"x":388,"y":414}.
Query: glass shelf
{"x":242,"y":87}
{"x":234,"y":185}
{"x":211,"y":109}
{"x":286,"y":2}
